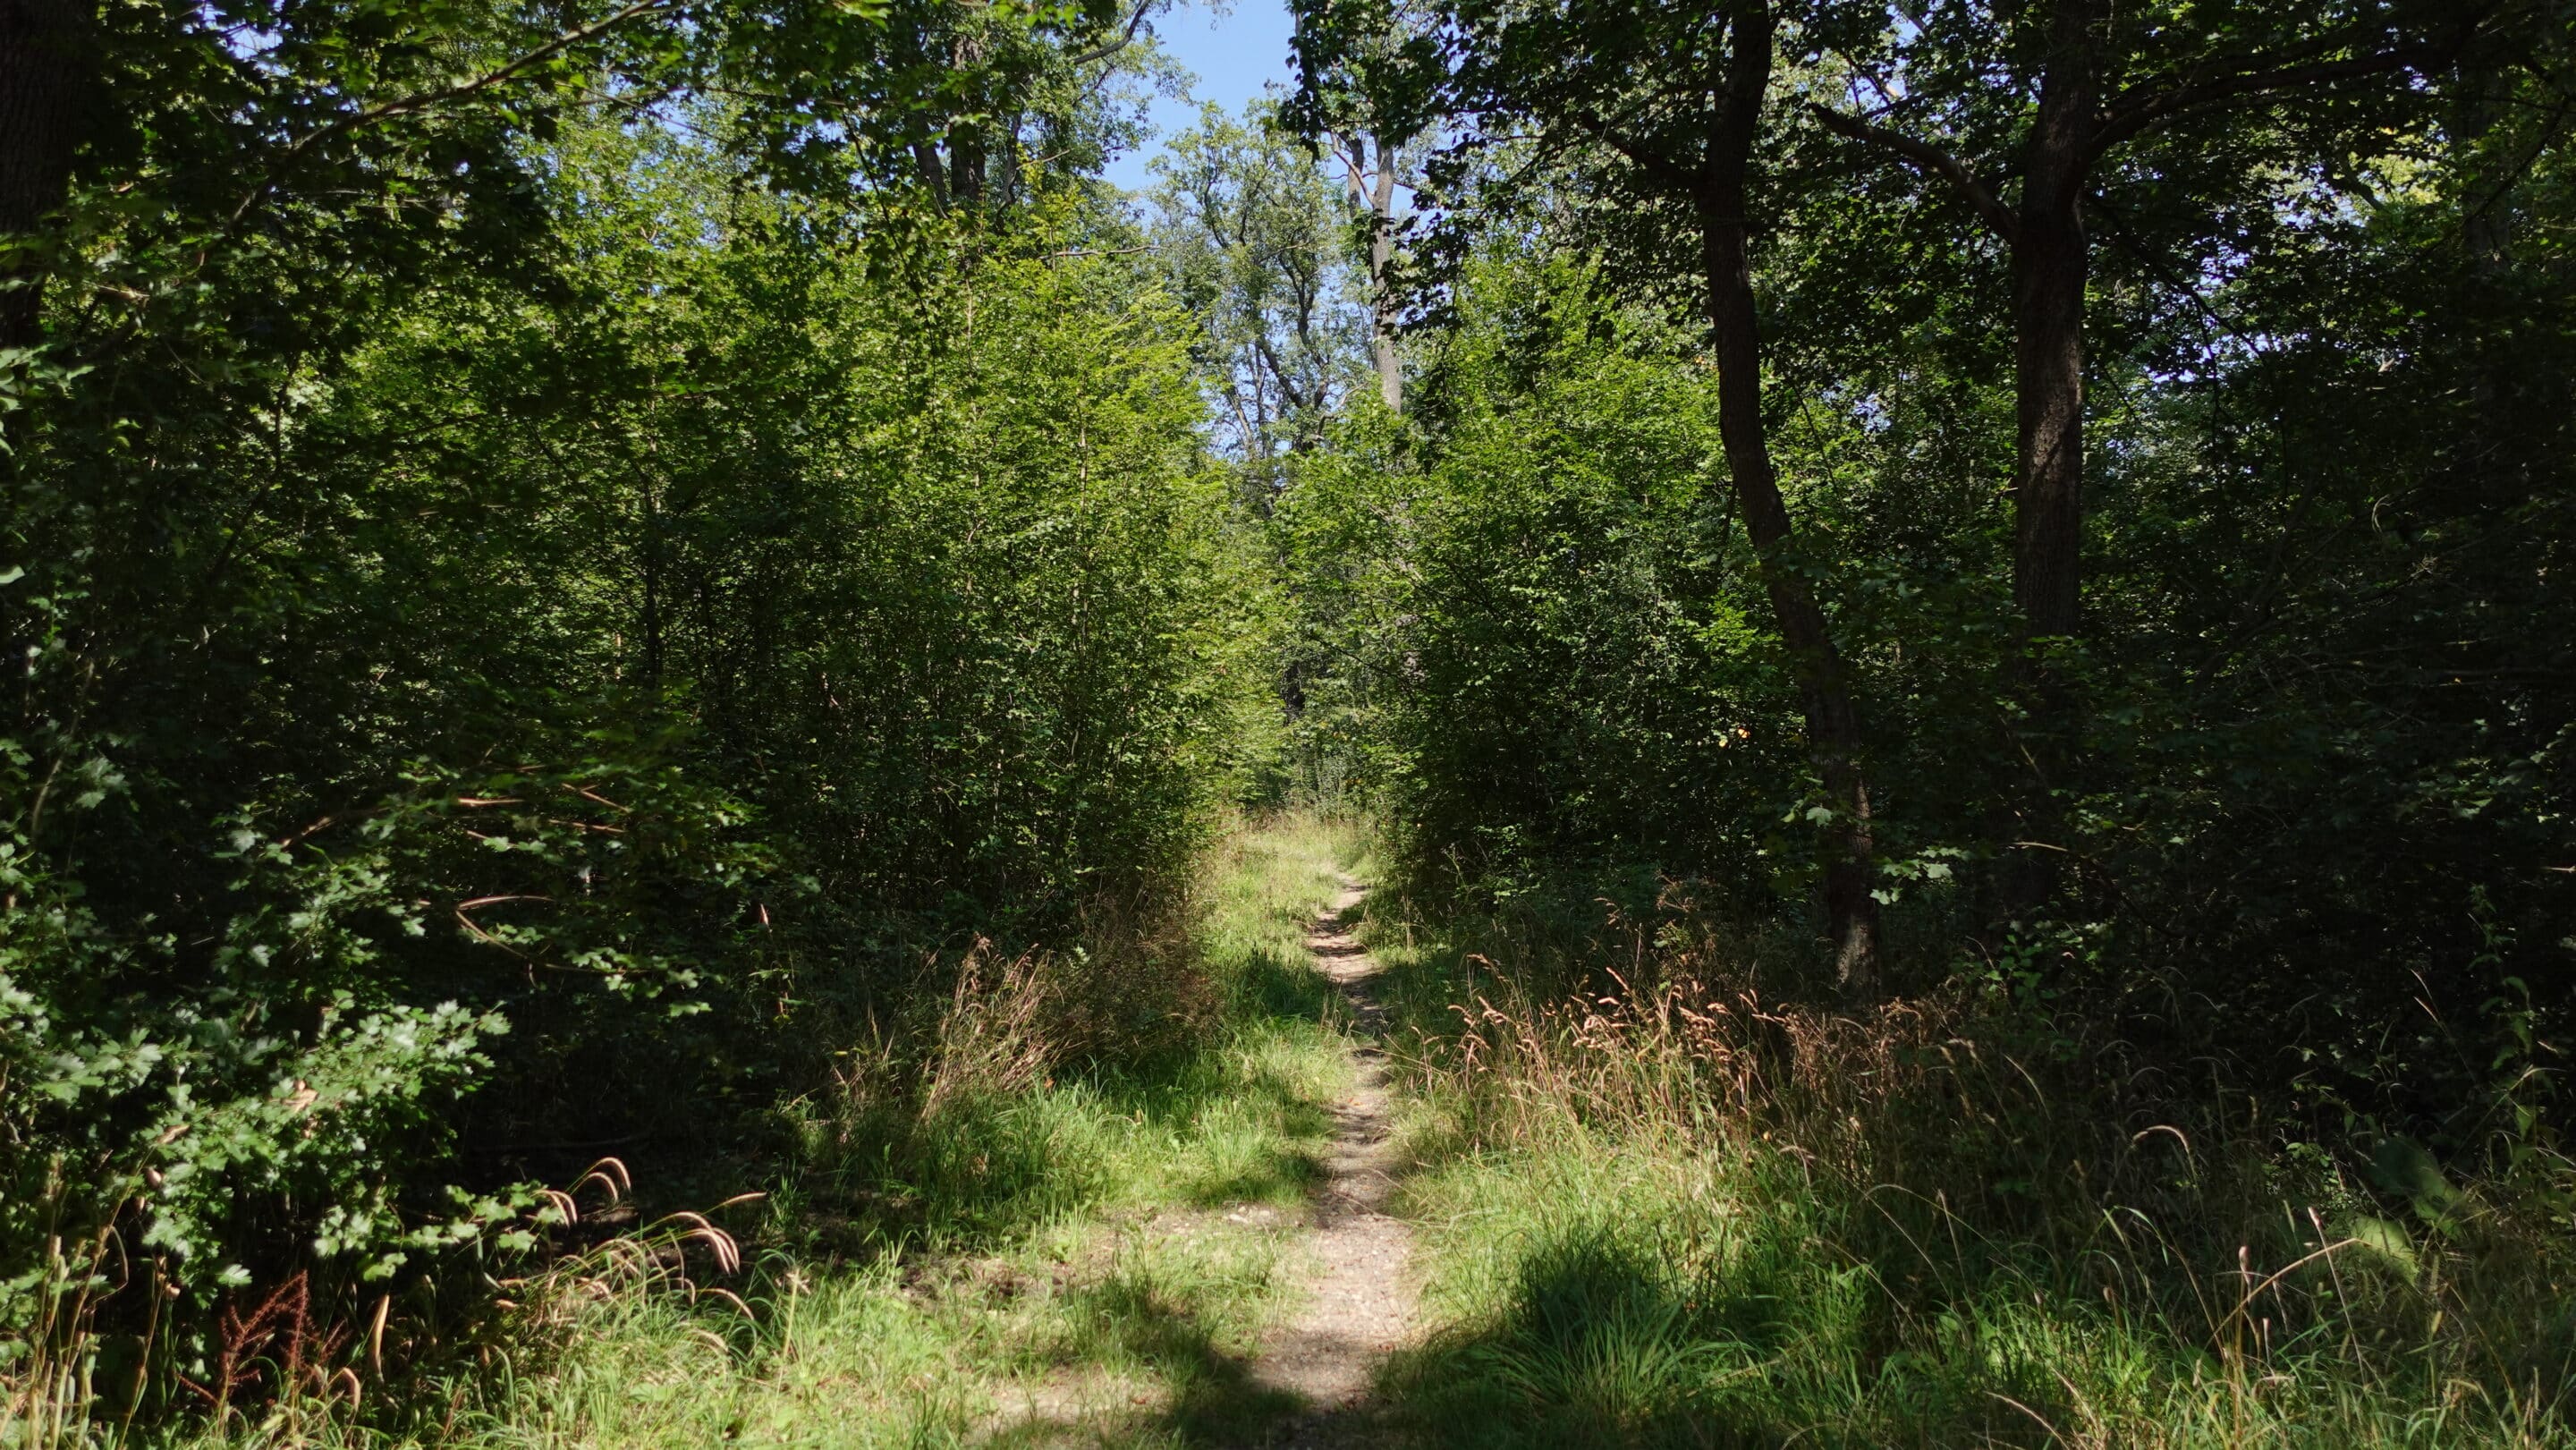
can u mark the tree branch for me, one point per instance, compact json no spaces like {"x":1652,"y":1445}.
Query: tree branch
{"x":1667,"y":172}
{"x":2141,"y":107}
{"x":1126,"y":37}
{"x":2097,"y":204}
{"x":1287,"y":389}
{"x":405,"y":105}
{"x":1931,"y":161}
{"x":2515,"y":173}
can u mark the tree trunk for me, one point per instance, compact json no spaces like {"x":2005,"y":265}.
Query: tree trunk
{"x":1833,"y":726}
{"x":2483,"y":91}
{"x":45,"y":90}
{"x":934,"y":173}
{"x":2050,"y":262}
{"x":1380,"y":201}
{"x":2051,"y":259}
{"x":2048,"y":489}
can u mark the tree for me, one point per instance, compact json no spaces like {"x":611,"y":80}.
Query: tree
{"x":1666,"y":103}
{"x":2029,"y":104}
{"x":259,"y":106}
{"x":48,"y":84}
{"x":1366,"y":104}
{"x":2076,"y":80}
{"x":487,"y":538}
{"x":1249,"y":239}
{"x":1373,"y":180}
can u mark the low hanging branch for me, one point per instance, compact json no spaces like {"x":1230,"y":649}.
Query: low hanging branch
{"x":1931,"y":160}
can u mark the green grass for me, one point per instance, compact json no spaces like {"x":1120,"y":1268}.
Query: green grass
{"x":1076,"y":1256}
{"x":1652,"y":1216}
{"x":1746,"y":1226}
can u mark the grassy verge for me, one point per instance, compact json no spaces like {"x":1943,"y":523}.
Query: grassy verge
{"x":1659,"y":1211}
{"x":1013,"y":1251}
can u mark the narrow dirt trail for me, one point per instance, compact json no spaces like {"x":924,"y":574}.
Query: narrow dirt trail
{"x":1363,"y":1303}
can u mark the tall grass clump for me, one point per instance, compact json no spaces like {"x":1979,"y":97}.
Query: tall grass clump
{"x":1049,"y":1083}
{"x":1666,"y":1209}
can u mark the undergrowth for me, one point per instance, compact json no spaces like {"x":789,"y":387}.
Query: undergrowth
{"x":1053,"y":1211}
{"x":1660,"y":1210}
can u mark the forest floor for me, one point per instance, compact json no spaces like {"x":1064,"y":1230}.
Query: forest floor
{"x":1320,"y":1224}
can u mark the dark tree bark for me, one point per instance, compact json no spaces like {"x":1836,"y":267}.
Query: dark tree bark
{"x":2050,"y":262}
{"x":46,"y":83}
{"x":1833,"y":725}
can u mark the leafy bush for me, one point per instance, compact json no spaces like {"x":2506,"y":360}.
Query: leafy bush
{"x":556,"y":717}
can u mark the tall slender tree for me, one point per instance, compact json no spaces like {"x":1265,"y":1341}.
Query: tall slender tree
{"x":1672,"y":101}
{"x":1367,"y":105}
{"x":1373,"y":178}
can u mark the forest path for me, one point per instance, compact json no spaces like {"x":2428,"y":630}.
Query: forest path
{"x":1363,"y":1303}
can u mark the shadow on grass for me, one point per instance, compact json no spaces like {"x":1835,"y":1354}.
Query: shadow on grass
{"x":1238,"y":1113}
{"x":1239,"y":1120}
{"x":1603,"y":1341}
{"x":1276,"y":984}
{"x":1721,"y":1221}
{"x":1213,"y":1398}
{"x":1597,"y":1347}
{"x":1279,"y":1175}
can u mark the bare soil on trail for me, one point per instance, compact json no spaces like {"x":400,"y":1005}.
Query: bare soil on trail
{"x":1362,"y":1305}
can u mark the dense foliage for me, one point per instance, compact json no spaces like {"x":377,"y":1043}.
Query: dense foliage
{"x":576,"y":573}
{"x":2296,"y":791}
{"x":527,"y":638}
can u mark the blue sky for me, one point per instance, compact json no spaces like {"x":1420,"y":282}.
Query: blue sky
{"x":1231,"y":54}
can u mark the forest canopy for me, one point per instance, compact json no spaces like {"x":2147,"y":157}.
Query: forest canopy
{"x":570,"y":570}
